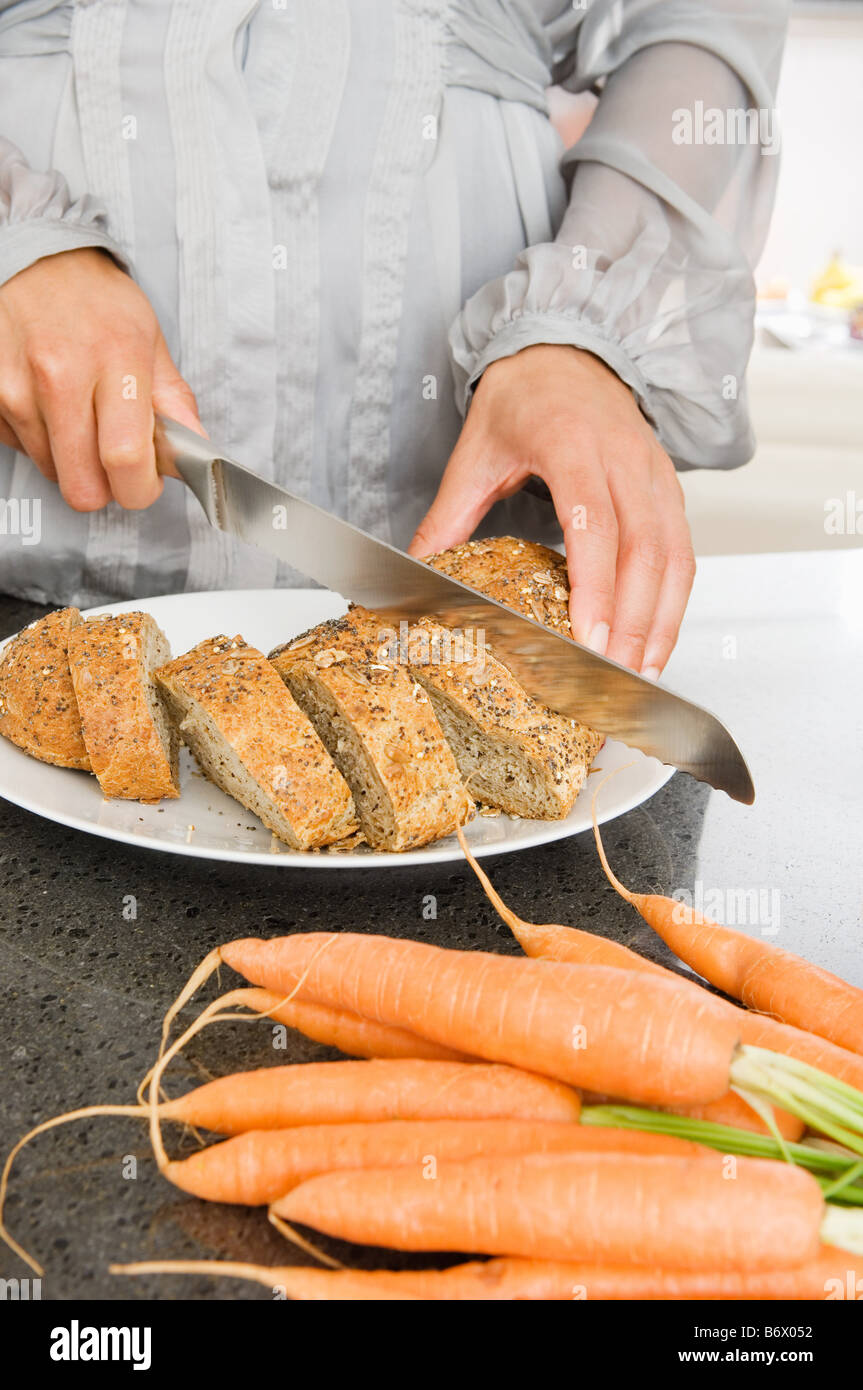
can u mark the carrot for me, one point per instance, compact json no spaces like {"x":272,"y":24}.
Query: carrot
{"x":328,"y":1092}
{"x":358,"y":1037}
{"x":709,"y":1212}
{"x":760,"y":1031}
{"x":832,"y":1274}
{"x":256,"y":1168}
{"x":551,"y":941}
{"x":349,"y":1092}
{"x":344,"y":972}
{"x":548,"y":941}
{"x":607,"y":1030}
{"x":762,"y":976}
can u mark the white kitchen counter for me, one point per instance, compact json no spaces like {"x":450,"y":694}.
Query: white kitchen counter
{"x":773,"y":644}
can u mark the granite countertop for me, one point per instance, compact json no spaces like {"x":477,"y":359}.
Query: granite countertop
{"x":771,"y":643}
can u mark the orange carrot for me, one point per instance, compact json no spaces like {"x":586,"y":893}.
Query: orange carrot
{"x":832,"y":1274}
{"x":608,"y":1030}
{"x":760,"y":1031}
{"x":256,"y":1168}
{"x":322,"y":1093}
{"x":358,"y":1037}
{"x":548,"y":941}
{"x":762,"y":976}
{"x":349,"y":1092}
{"x":551,"y":941}
{"x":708,"y":1212}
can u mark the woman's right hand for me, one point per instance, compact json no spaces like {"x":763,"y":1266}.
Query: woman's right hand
{"x":83,"y":366}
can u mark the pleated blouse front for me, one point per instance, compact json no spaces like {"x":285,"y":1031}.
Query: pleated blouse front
{"x":343,"y":210}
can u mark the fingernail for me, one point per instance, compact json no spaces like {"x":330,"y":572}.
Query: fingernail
{"x":650,"y":673}
{"x":598,"y":639}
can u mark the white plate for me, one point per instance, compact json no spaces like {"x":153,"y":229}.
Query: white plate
{"x":207,"y":824}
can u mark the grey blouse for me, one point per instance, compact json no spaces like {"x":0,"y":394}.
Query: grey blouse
{"x":343,"y":210}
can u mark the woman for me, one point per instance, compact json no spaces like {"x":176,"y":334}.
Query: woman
{"x":325,"y":228}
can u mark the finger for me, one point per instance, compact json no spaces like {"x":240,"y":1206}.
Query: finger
{"x":124,"y":424}
{"x":586,"y":514}
{"x":33,"y":442}
{"x":471,"y":484}
{"x":174,"y":398}
{"x":676,"y":583}
{"x":9,"y":437}
{"x":74,"y":448}
{"x":641,"y":558}
{"x":172,"y":394}
{"x":21,"y":423}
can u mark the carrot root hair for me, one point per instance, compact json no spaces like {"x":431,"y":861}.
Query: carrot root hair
{"x":226,"y":1269}
{"x":84,"y":1113}
{"x":215,"y":1012}
{"x":198,"y":977}
{"x":603,"y":859}
{"x":512,"y":919}
{"x":284,"y":1229}
{"x":239,"y":997}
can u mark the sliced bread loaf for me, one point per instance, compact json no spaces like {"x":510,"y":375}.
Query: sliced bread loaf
{"x":253,"y":741}
{"x":38,"y":709}
{"x":130,"y":740}
{"x":380,"y":728}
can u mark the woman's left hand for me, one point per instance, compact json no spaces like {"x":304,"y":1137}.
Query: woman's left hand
{"x":559,"y":413}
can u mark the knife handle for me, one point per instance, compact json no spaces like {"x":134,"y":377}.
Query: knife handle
{"x":173,"y":442}
{"x":183,"y":453}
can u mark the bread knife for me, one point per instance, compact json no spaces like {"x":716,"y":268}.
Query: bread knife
{"x":554,"y":669}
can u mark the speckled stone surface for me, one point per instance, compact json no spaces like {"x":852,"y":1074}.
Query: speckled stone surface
{"x":84,"y":989}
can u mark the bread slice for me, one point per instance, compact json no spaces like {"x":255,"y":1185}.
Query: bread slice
{"x":515,"y":752}
{"x":380,"y":728}
{"x":38,"y":709}
{"x":512,"y":751}
{"x":130,"y":740}
{"x":253,"y":741}
{"x":524,"y":575}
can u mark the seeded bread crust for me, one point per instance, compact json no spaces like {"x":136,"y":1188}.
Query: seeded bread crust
{"x":132,"y":745}
{"x":253,"y":741}
{"x":38,"y":709}
{"x":380,"y":727}
{"x":527,"y":577}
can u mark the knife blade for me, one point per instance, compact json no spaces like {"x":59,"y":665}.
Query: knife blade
{"x":554,"y":669}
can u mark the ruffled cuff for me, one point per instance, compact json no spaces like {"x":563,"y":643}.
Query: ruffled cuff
{"x":671,"y":349}
{"x":39,"y":218}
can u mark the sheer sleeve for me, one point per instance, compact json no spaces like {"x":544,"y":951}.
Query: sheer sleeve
{"x":38,"y":216}
{"x":672,"y":187}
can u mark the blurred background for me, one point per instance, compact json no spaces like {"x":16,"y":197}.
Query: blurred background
{"x":804,"y":488}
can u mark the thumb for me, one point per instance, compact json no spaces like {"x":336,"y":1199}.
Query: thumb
{"x":172,"y":396}
{"x":462,"y":501}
